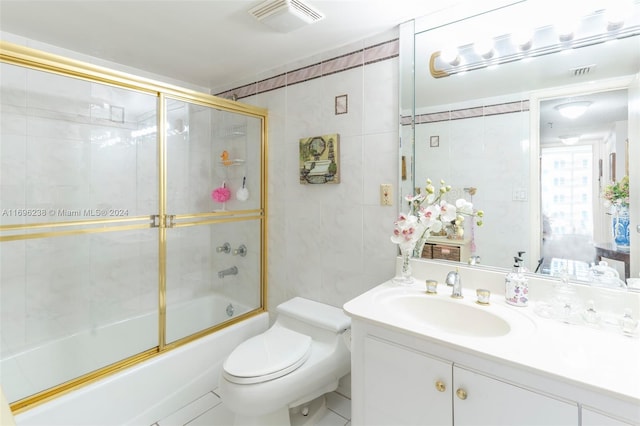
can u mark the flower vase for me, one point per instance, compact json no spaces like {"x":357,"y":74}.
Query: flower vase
{"x":405,"y":278}
{"x":417,"y":251}
{"x":620,"y":228}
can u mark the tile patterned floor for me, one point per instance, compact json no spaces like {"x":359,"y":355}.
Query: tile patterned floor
{"x":208,"y":410}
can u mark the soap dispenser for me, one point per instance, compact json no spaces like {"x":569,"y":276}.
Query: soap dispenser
{"x":516,"y":290}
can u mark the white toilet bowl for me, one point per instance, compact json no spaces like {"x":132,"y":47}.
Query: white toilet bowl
{"x":300,"y":358}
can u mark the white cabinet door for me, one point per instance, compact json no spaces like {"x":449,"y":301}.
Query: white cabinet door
{"x":404,"y":387}
{"x":492,"y":402}
{"x":593,"y":418}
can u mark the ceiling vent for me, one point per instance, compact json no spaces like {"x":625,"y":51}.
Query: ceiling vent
{"x":285,"y":15}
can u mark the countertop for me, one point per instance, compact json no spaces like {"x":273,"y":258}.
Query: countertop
{"x":605,"y":361}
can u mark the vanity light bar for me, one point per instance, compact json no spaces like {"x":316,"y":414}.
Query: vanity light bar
{"x":545,"y":42}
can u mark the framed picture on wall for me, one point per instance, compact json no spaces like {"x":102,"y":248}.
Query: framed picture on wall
{"x":612,"y":167}
{"x":342,"y":104}
{"x":434,"y":141}
{"x":320,"y":159}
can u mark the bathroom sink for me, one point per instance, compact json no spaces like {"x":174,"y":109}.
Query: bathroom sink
{"x":446,"y":314}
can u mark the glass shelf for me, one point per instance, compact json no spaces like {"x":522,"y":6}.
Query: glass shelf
{"x":235,"y":162}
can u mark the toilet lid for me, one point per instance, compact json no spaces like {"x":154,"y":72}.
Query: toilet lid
{"x":267,"y":356}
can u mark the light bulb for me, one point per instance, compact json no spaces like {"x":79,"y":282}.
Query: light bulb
{"x":616,"y":13}
{"x":566,"y":27}
{"x":450,"y":55}
{"x":523,"y":38}
{"x":484,"y":47}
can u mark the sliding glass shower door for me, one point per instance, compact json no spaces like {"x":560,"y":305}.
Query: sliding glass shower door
{"x":213,"y":248}
{"x":79,"y":268}
{"x":115,"y":243}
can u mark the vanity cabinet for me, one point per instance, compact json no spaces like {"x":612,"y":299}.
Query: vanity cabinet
{"x":481,"y":399}
{"x":404,"y":386}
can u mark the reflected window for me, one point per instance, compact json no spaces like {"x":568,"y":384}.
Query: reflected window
{"x":569,"y":202}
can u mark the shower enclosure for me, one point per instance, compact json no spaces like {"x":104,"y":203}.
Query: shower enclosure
{"x":112,"y":241}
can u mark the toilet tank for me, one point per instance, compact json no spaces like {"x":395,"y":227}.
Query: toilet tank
{"x":316,"y":314}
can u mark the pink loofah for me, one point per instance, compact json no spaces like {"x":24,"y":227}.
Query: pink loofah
{"x":221,"y":194}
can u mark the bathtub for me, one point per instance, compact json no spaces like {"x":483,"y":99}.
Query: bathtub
{"x":150,"y":390}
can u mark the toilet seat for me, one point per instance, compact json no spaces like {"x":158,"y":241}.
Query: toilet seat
{"x":267,"y":356}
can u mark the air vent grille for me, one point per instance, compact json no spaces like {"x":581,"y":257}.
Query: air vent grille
{"x":296,"y":7}
{"x":584,"y":70}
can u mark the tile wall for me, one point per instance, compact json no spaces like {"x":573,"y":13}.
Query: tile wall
{"x":331,"y":243}
{"x":474,"y":143}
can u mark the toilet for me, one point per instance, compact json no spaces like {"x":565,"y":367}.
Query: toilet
{"x":284,"y":372}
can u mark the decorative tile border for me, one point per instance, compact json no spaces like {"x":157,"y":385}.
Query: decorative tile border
{"x":343,"y":63}
{"x":303,"y":74}
{"x":472,"y":112}
{"x":271,"y":83}
{"x":517,"y":106}
{"x":381,"y":52}
{"x":359,"y":58}
{"x":459,"y":114}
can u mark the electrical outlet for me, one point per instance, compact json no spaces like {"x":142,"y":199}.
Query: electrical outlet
{"x":519,"y":194}
{"x":385,"y":194}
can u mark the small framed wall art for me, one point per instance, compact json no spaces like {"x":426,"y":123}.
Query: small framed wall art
{"x":434,"y":141}
{"x":320,"y":159}
{"x":342,"y":104}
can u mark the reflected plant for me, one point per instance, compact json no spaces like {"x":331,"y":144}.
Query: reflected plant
{"x":617,"y":194}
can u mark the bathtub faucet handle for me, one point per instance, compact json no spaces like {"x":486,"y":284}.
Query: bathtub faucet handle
{"x":242,"y":251}
{"x":225,"y":248}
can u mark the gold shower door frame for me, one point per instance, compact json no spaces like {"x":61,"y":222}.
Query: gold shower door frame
{"x":30,"y":58}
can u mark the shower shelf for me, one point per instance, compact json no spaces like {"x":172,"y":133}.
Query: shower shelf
{"x":234,"y":132}
{"x":235,"y":162}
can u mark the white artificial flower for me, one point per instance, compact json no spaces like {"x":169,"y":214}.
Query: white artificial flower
{"x":464,"y":206}
{"x":430,"y":217}
{"x":408,"y":229}
{"x":448,"y":211}
{"x":430,"y":214}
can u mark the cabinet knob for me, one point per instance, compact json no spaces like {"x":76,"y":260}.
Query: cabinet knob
{"x":440,"y":386}
{"x":462,"y":394}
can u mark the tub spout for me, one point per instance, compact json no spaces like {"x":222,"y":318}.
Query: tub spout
{"x":229,"y":271}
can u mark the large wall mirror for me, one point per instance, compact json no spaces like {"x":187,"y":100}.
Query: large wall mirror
{"x":482,"y":108}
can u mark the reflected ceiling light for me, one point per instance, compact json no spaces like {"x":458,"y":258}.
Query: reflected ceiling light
{"x":573,"y":110}
{"x":484,"y":48}
{"x":569,"y":139}
{"x":450,"y":55}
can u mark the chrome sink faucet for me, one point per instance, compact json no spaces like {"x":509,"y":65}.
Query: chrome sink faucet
{"x":453,"y":279}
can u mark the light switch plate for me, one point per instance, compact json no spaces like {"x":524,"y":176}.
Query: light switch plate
{"x":386,"y":195}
